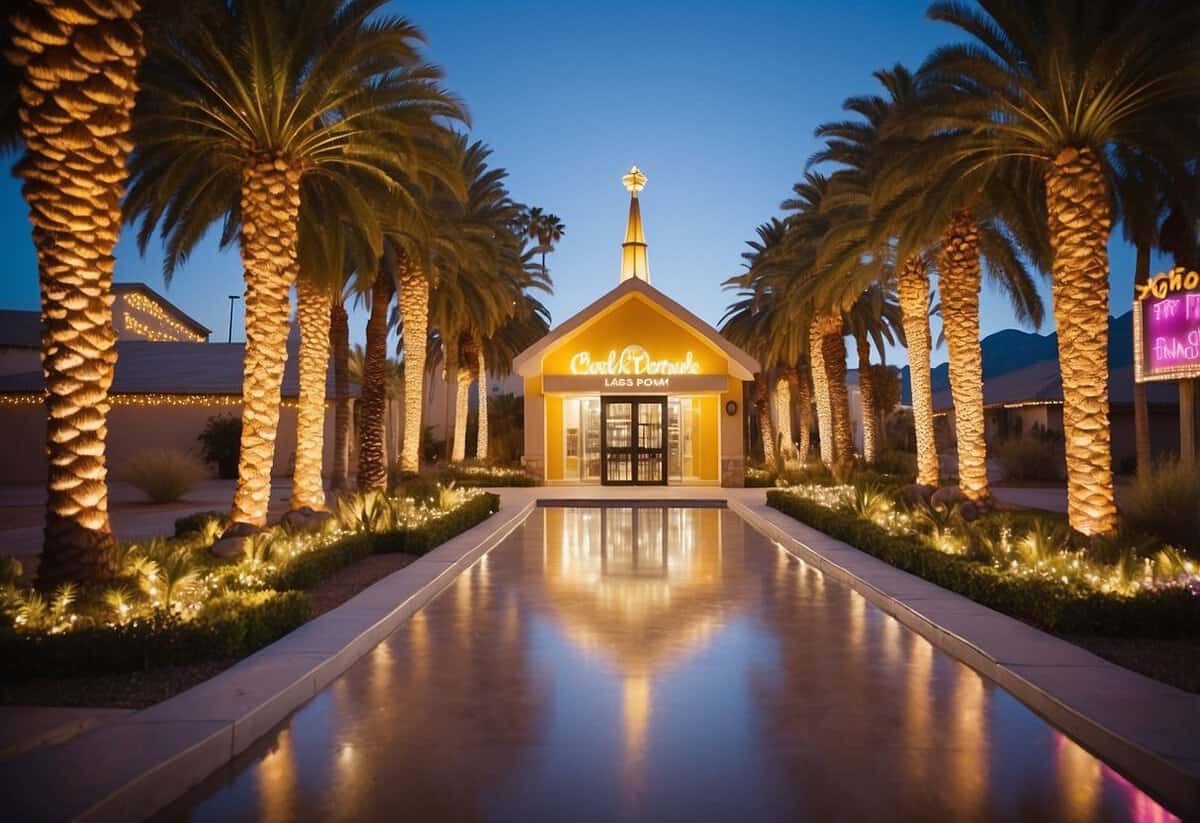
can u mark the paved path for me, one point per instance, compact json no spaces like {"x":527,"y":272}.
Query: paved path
{"x":653,"y":664}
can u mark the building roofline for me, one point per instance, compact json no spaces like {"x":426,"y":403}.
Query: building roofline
{"x":182,"y":316}
{"x":635,"y":285}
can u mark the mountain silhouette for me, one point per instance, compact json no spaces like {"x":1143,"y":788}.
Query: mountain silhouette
{"x":1011,"y":349}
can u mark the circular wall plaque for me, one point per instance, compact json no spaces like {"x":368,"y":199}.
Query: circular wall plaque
{"x":731,"y":408}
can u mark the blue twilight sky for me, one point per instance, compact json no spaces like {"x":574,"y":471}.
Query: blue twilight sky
{"x":715,"y":101}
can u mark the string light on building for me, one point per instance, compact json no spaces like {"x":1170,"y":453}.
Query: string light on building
{"x":179,"y":332}
{"x":210,"y":400}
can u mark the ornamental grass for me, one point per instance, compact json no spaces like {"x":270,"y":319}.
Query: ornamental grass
{"x":164,"y":586}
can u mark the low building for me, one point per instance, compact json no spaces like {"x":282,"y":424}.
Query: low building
{"x":1028,"y":402}
{"x":635,"y":389}
{"x":167,"y":383}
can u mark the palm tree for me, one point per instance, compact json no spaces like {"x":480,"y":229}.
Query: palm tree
{"x":855,"y":254}
{"x":528,"y":323}
{"x":544,"y":228}
{"x":759,"y":322}
{"x":331,"y":246}
{"x":236,"y":117}
{"x":339,"y":335}
{"x":66,"y":94}
{"x":875,"y":316}
{"x":974,"y":223}
{"x":1056,"y":88}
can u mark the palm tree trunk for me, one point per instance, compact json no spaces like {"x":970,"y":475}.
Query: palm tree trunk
{"x":481,"y":439}
{"x":958,"y":268}
{"x":866,"y":391}
{"x":804,"y":401}
{"x":820,"y":380}
{"x":270,"y":211}
{"x":764,"y":419}
{"x":1141,"y":406}
{"x":1080,"y":221}
{"x":458,"y":397}
{"x":313,"y":308}
{"x":833,"y":353}
{"x":414,"y":314}
{"x":913,"y":294}
{"x":451,"y":354}
{"x":372,"y":459}
{"x":76,"y":91}
{"x":783,"y":414}
{"x":339,"y":332}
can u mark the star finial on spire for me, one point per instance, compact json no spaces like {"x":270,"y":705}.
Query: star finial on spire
{"x":635,"y":181}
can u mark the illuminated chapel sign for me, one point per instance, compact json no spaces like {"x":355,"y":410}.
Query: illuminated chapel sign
{"x":632,"y":361}
{"x":1167,"y":327}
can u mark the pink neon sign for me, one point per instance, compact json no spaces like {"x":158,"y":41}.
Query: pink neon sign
{"x":1169,"y":311}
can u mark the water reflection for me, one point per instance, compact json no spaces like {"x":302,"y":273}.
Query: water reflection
{"x":649,"y":663}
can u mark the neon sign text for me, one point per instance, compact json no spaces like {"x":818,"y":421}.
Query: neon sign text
{"x":632,"y":360}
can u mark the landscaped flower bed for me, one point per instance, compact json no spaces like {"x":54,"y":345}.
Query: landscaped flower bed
{"x":1020,"y":564}
{"x":175,"y":603}
{"x":487,"y":475}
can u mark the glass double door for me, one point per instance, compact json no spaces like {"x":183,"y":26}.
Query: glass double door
{"x":633,"y":448}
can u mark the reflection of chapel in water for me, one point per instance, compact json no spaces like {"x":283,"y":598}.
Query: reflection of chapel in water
{"x":638,"y":587}
{"x":635,"y":389}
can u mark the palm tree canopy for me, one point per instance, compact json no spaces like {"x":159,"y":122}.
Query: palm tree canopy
{"x":327,"y":86}
{"x":1043,"y":78}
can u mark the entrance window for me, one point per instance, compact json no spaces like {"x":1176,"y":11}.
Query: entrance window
{"x":681,"y":437}
{"x":581,"y":438}
{"x":634,"y":440}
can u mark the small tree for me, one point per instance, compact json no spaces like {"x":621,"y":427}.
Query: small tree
{"x":220,"y":443}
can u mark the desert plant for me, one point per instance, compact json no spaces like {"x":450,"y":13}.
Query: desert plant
{"x":10,"y":570}
{"x":1032,"y":460}
{"x":1043,"y":543}
{"x":869,"y":501}
{"x":220,"y":443}
{"x":1166,"y":502}
{"x":163,"y":475}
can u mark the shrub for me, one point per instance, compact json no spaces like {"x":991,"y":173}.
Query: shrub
{"x":1167,"y":503}
{"x":1027,"y":460}
{"x":197,"y":522}
{"x":229,"y":626}
{"x":221,"y":443}
{"x":163,"y":475}
{"x":1049,"y":604}
{"x":486,"y":475}
{"x":901,"y":464}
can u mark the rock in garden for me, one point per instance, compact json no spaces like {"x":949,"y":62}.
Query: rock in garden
{"x":916,"y":493}
{"x":946,"y":496}
{"x":234,"y":540}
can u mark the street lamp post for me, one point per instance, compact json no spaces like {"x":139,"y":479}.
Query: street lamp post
{"x":233,"y":298}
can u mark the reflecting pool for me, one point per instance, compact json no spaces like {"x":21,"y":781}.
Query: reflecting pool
{"x":659,"y":664}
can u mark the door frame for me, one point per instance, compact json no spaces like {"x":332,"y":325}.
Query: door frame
{"x":634,"y":400}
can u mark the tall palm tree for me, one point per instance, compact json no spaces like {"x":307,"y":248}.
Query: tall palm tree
{"x":855,"y":254}
{"x":545,"y":228}
{"x":760,"y":322}
{"x":976,"y":223}
{"x":331,"y":245}
{"x":237,"y":115}
{"x":339,"y":336}
{"x":66,"y":95}
{"x":1059,"y":87}
{"x":874,"y":317}
{"x":528,"y":323}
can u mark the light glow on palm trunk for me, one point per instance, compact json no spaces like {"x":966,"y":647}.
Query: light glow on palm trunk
{"x":270,"y":211}
{"x":912,"y":291}
{"x":313,"y":309}
{"x":1080,"y":222}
